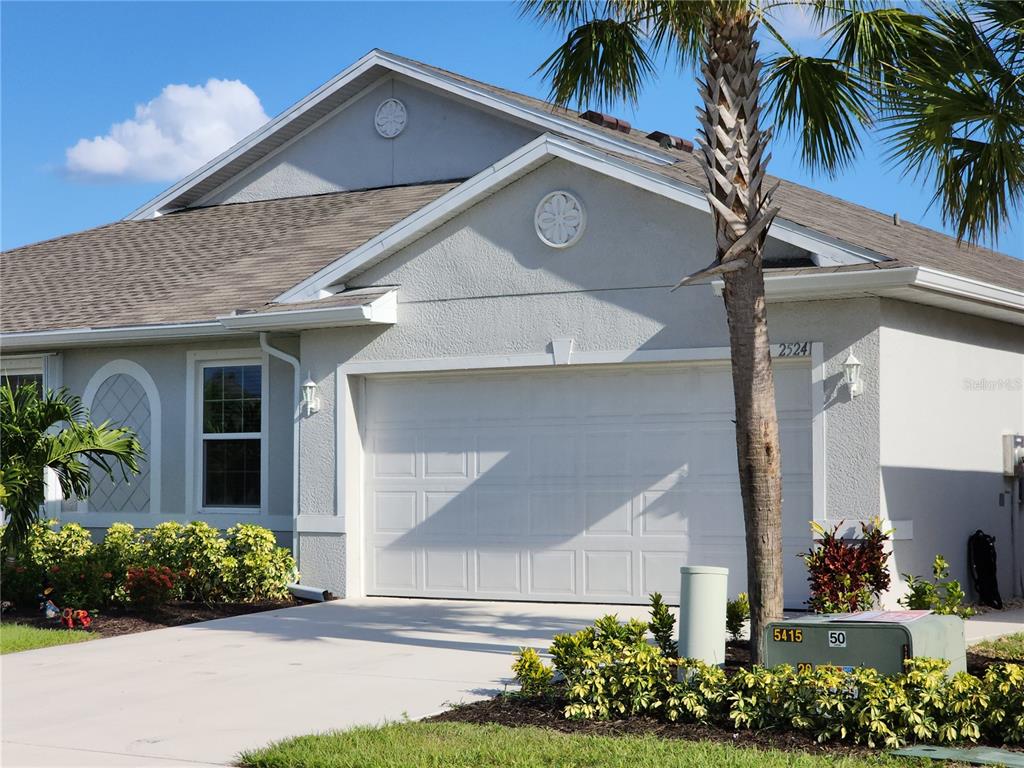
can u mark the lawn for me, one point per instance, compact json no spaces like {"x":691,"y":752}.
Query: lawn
{"x":1010,"y":647}
{"x":462,"y":745}
{"x":18,"y":637}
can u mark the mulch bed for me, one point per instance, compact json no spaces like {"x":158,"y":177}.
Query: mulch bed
{"x":115,"y":621}
{"x":516,"y":712}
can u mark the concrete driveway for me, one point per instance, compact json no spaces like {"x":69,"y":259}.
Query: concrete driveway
{"x":199,"y":694}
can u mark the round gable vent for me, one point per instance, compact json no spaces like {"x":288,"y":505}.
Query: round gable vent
{"x":390,"y":118}
{"x":559,"y":219}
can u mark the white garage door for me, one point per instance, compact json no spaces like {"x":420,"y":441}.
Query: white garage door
{"x":568,"y":484}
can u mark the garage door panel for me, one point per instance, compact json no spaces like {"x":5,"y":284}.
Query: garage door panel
{"x":664,"y":513}
{"x":394,"y":454}
{"x":608,"y":513}
{"x":553,"y":455}
{"x":394,"y":511}
{"x":555,"y":513}
{"x":608,"y":573}
{"x":502,"y":513}
{"x":446,"y":570}
{"x":499,"y":571}
{"x":448,"y":513}
{"x":606,"y":454}
{"x":569,"y":484}
{"x":662,"y":454}
{"x":553,"y":572}
{"x":502,"y":457}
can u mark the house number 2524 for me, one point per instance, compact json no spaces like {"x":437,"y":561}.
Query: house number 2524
{"x":795,"y":349}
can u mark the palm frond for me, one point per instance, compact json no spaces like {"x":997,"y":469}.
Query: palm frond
{"x":821,"y":102}
{"x":601,"y":62}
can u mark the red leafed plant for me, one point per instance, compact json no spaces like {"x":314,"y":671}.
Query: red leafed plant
{"x":847,"y":574}
{"x":150,"y":587}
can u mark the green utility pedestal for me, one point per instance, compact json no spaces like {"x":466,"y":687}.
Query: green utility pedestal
{"x":878,"y":639}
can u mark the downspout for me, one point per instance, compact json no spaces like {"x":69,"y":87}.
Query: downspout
{"x":294,"y":363}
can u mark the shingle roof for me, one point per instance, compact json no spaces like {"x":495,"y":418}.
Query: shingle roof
{"x":908,"y":244}
{"x":192,"y":265}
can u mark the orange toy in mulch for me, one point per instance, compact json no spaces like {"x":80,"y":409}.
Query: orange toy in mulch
{"x":76,"y":617}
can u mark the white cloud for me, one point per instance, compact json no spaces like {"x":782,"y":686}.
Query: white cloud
{"x":172,"y":135}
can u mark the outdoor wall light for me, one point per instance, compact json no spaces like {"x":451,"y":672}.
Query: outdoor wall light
{"x":851,"y":375}
{"x":310,"y":398}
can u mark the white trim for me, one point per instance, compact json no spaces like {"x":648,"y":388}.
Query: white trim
{"x":141,"y":375}
{"x":195,"y":361}
{"x":921,"y":285}
{"x":381,"y":311}
{"x":819,"y":487}
{"x":350,"y":459}
{"x":74,"y":337}
{"x":510,"y":107}
{"x":528,"y":158}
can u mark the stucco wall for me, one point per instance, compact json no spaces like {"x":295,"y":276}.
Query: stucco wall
{"x":167,"y":365}
{"x":484,"y":284}
{"x":443,"y":139}
{"x":952,"y":385}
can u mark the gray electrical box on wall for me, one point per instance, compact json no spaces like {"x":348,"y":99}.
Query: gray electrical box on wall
{"x":876,"y":639}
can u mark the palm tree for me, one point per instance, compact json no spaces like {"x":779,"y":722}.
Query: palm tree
{"x":609,"y":54}
{"x":52,"y":432}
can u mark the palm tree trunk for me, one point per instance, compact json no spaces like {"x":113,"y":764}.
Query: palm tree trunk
{"x":734,"y":159}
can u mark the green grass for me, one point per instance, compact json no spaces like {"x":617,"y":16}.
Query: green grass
{"x":20,"y":637}
{"x":1010,"y":647}
{"x":461,"y":745}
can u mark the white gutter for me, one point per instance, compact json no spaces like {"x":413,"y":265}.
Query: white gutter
{"x":73,"y":337}
{"x":294,"y":363}
{"x":921,"y":285}
{"x":382,"y":310}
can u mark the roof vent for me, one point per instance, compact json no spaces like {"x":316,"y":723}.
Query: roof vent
{"x":606,"y":121}
{"x":668,"y":141}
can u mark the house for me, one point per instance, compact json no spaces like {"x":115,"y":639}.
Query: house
{"x":421,"y":327}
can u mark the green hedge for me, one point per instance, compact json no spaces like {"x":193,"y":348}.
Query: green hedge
{"x":242,"y":564}
{"x":612,"y":671}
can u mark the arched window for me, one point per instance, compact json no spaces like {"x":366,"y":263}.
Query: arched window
{"x":124,"y":393}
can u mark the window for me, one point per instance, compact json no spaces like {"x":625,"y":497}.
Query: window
{"x":18,"y":370}
{"x":232,"y":438}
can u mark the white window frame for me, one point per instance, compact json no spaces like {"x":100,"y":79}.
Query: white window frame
{"x":195,"y":469}
{"x":47,"y":365}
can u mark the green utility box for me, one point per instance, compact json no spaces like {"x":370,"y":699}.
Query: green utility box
{"x":878,"y":639}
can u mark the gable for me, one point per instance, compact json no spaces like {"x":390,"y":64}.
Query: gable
{"x":633,"y":240}
{"x":443,"y":138}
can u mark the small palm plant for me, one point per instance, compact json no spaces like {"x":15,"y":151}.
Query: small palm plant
{"x":52,"y":431}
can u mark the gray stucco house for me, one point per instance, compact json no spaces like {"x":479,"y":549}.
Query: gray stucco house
{"x":504,"y":400}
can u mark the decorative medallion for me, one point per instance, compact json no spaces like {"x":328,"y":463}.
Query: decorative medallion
{"x":559,"y":219}
{"x":390,"y":118}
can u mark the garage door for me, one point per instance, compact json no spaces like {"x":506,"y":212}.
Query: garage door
{"x":568,"y":484}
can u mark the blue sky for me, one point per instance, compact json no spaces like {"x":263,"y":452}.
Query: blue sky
{"x":72,"y":70}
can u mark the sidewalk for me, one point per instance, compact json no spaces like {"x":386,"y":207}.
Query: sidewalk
{"x":994,"y":624}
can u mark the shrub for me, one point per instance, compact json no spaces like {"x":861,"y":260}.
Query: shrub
{"x":534,"y":676}
{"x":206,"y":571}
{"x":663,"y":626}
{"x":150,"y":587}
{"x":614,"y":670}
{"x":847,"y":575}
{"x":945,"y":596}
{"x":245,"y":565}
{"x":736,"y":613}
{"x":262,"y":570}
